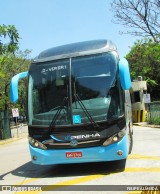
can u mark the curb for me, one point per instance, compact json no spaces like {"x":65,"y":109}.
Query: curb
{"x":146,"y":125}
{"x":13,"y":139}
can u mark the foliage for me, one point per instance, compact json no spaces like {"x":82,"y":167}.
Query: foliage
{"x":144,"y":60}
{"x":141,"y":17}
{"x":153,"y":116}
{"x":10,"y":65}
{"x":154,"y":120}
{"x":8,"y":32}
{"x":12,"y":62}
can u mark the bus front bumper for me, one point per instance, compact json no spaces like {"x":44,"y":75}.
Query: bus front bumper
{"x":116,"y":151}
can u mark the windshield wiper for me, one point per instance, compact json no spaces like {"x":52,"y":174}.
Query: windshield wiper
{"x":77,"y":99}
{"x":60,"y":108}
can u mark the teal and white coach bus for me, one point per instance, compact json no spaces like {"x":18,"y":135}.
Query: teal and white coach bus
{"x":79,"y":107}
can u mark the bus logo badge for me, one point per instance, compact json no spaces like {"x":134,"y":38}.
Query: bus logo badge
{"x":74,"y":143}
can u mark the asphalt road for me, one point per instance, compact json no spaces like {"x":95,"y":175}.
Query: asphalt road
{"x":142,"y":168}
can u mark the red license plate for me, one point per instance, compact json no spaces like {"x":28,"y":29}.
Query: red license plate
{"x":73,"y":154}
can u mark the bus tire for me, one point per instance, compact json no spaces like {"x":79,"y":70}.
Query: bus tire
{"x":119,"y":165}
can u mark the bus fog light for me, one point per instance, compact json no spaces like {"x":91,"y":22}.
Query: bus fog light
{"x":120,"y":152}
{"x":34,"y":157}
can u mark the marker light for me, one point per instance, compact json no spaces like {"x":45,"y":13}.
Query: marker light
{"x":121,"y":133}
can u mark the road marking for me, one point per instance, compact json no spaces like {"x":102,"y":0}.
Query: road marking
{"x":28,"y":181}
{"x":142,"y":157}
{"x":134,"y":192}
{"x":69,"y":182}
{"x":156,"y":169}
{"x":143,"y":192}
{"x":81,"y":179}
{"x":85,"y":179}
{"x":93,"y":177}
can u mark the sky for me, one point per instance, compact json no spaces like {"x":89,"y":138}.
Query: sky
{"x":44,"y":24}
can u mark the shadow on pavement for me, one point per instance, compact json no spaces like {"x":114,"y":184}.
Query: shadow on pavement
{"x":30,"y":170}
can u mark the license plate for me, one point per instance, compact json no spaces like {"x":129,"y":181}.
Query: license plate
{"x":73,"y":154}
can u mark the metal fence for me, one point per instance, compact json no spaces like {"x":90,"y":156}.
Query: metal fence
{"x":153,"y":115}
{"x":5,"y":131}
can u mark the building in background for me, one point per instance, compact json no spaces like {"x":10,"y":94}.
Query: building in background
{"x":140,"y":99}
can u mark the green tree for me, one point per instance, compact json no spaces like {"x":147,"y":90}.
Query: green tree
{"x":144,"y":60}
{"x":10,"y":66}
{"x":12,"y":62}
{"x":11,"y":33}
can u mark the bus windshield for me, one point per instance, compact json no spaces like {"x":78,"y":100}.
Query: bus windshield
{"x":67,"y":90}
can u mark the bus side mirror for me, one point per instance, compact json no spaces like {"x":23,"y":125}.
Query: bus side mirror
{"x":124,"y":74}
{"x":14,"y":86}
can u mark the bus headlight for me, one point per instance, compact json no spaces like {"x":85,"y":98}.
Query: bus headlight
{"x":36,"y":143}
{"x":115,"y":138}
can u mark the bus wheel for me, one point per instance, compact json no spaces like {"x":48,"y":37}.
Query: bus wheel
{"x":119,"y":165}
